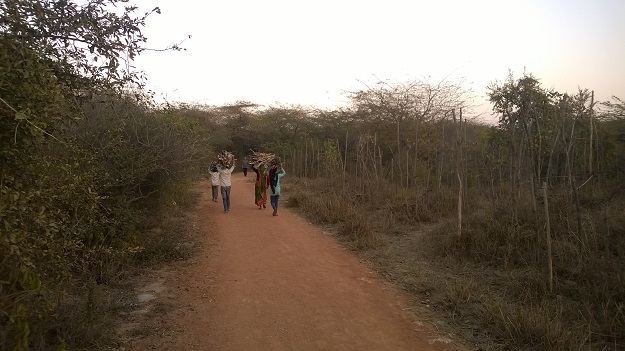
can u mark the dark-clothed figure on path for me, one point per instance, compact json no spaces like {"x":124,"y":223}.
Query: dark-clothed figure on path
{"x":245,"y":164}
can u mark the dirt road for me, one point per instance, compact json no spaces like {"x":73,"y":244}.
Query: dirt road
{"x":277,"y":283}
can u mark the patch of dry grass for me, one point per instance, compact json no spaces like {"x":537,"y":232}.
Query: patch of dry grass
{"x":488,"y":286}
{"x":331,"y":208}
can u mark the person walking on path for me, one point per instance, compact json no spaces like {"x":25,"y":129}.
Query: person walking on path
{"x":245,"y":164}
{"x":225,"y":181}
{"x":214,"y":180}
{"x":260,"y":187}
{"x":274,"y":182}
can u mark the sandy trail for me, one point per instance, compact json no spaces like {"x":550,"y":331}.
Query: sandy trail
{"x":278,"y":283}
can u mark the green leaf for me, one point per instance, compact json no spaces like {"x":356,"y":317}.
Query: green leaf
{"x":20,"y":116}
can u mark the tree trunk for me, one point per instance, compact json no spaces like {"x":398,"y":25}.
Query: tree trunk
{"x":381,"y":175}
{"x":591,"y":128}
{"x":416,"y":154}
{"x":318,"y":160}
{"x":459,"y":167}
{"x":407,"y":167}
{"x":548,"y":238}
{"x":306,"y":156}
{"x":573,"y":186}
{"x":345,"y":160}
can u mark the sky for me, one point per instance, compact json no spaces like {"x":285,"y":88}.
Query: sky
{"x":311,"y":53}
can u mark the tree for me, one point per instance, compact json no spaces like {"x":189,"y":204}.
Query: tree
{"x":87,"y":46}
{"x":406,"y":106}
{"x":612,"y":145}
{"x":56,"y":55}
{"x":525,"y":109}
{"x":614,"y":109}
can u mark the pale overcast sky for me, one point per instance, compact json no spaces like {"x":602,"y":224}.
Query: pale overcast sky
{"x":309,"y":52}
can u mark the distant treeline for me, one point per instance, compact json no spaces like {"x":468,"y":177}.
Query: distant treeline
{"x":88,"y":161}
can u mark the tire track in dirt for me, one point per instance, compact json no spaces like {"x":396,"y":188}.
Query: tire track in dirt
{"x":277,"y":283}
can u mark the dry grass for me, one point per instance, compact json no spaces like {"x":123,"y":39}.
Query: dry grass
{"x":331,"y":208}
{"x":88,"y":316}
{"x":489,"y":285}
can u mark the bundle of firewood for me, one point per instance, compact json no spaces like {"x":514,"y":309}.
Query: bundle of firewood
{"x":268,"y":159}
{"x":275,"y":162}
{"x":259,"y":158}
{"x":225,"y":159}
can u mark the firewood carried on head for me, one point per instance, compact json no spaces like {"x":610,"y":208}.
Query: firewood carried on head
{"x":264,"y":158}
{"x":225,"y":159}
{"x":275,"y":162}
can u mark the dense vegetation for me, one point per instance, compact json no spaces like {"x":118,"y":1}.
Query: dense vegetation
{"x":532,"y":205}
{"x":85,"y":164}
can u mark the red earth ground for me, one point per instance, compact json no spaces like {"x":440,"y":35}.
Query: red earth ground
{"x":259,"y":282}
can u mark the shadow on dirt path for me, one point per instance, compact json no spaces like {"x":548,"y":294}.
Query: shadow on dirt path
{"x":261,"y":282}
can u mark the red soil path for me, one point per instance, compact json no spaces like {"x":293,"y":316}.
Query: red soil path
{"x":278,"y":283}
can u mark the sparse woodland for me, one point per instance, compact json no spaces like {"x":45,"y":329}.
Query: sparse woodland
{"x":529,"y":212}
{"x":513,"y":233}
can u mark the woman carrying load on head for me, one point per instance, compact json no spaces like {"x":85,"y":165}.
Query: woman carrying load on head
{"x":260,"y":188}
{"x":275,"y":174}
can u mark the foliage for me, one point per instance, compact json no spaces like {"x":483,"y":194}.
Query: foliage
{"x":613,"y":148}
{"x":76,"y":180}
{"x":87,"y":164}
{"x":614,"y":109}
{"x":282,"y":129}
{"x":83,"y":44}
{"x":237,"y":121}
